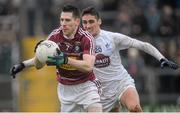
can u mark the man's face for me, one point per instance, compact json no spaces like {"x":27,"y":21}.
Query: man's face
{"x":68,"y":23}
{"x":91,"y":24}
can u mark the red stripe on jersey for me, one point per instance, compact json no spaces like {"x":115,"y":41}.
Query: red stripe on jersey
{"x":90,"y":37}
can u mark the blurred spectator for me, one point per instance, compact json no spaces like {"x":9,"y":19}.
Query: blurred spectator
{"x":153,"y":18}
{"x":178,"y":4}
{"x":128,"y":6}
{"x":168,"y":31}
{"x":16,"y":6}
{"x":144,"y":4}
{"x":171,"y":3}
{"x":167,"y":26}
{"x":177,"y":15}
{"x":5,"y":52}
{"x":123,"y":23}
{"x":81,"y":4}
{"x":47,"y":16}
{"x":4,"y":7}
{"x":31,"y":6}
{"x":135,"y":61}
{"x":131,"y":19}
{"x":110,"y":5}
{"x":8,"y":32}
{"x":140,"y":24}
{"x":98,"y":4}
{"x":172,"y":49}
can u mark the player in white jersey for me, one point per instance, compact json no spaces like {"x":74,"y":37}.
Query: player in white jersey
{"x":117,"y":84}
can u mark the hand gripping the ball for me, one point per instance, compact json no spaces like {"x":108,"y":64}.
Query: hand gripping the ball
{"x":57,"y":60}
{"x":16,"y":68}
{"x":45,"y":49}
{"x":167,"y":63}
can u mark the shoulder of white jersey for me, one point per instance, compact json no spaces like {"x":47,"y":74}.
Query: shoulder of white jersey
{"x":54,"y":32}
{"x":112,"y":34}
{"x":105,"y":33}
{"x":109,"y":32}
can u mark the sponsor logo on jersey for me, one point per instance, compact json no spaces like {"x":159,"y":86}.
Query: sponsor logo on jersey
{"x":102,"y":61}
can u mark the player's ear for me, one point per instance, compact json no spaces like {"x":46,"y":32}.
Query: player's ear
{"x":78,"y":21}
{"x":99,"y":21}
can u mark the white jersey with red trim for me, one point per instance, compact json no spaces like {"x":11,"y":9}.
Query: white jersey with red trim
{"x":108,"y":64}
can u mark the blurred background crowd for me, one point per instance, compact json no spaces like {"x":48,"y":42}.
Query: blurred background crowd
{"x":154,"y":21}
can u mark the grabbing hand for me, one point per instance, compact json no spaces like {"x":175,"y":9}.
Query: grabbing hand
{"x":57,"y":60}
{"x":16,"y":68}
{"x":167,"y":63}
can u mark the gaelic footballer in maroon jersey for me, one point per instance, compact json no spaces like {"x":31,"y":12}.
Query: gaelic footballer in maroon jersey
{"x":82,"y":43}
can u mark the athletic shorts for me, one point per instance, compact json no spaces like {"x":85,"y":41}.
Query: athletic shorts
{"x":113,"y":90}
{"x":77,"y":98}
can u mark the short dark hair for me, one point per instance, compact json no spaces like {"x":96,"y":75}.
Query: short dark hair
{"x":92,"y":11}
{"x":73,"y":9}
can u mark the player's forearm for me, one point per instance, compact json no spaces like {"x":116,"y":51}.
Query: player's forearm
{"x":148,"y":48}
{"x":33,"y":62}
{"x":29,"y":63}
{"x":81,"y":65}
{"x":153,"y":51}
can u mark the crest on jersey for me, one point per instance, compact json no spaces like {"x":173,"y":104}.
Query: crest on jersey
{"x":107,"y":45}
{"x":77,"y":47}
{"x":98,"y":49}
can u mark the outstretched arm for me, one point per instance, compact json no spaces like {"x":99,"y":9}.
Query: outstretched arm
{"x":127,"y":42}
{"x":148,"y":48}
{"x":27,"y":63}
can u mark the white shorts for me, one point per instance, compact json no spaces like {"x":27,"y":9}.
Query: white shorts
{"x":77,"y":98}
{"x":113,"y":90}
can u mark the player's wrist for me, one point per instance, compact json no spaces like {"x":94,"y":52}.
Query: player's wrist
{"x":22,"y":65}
{"x":162,"y":60}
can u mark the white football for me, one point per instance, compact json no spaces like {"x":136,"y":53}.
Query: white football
{"x":45,"y":49}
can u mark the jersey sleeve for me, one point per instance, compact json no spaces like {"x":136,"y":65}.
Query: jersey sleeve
{"x":52,"y":35}
{"x":124,"y":42}
{"x":88,"y":45}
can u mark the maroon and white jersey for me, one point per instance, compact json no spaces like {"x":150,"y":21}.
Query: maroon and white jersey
{"x":82,"y":43}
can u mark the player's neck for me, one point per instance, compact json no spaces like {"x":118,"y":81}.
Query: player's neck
{"x":71,"y":36}
{"x":97,"y":33}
